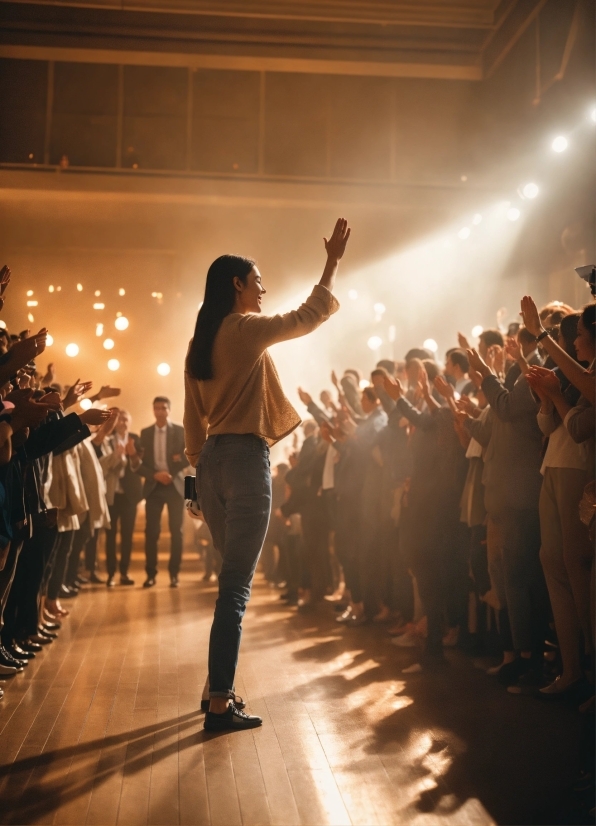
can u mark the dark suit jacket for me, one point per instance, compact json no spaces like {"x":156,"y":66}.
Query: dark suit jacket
{"x":131,"y":483}
{"x":177,"y":460}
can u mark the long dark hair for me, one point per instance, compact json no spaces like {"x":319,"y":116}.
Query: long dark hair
{"x":220,"y":296}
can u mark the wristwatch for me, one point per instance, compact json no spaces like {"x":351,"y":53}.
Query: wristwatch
{"x":542,"y":335}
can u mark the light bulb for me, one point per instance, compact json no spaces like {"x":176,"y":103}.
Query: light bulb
{"x":121,"y":291}
{"x":113,"y":364}
{"x":374,"y":342}
{"x":121,"y":323}
{"x":163,"y":369}
{"x":80,"y":289}
{"x":72,"y":350}
{"x":379,"y":308}
{"x":530,"y":191}
{"x":477,"y":330}
{"x":513,"y":213}
{"x":49,"y":340}
{"x":99,"y":329}
{"x":108,"y":344}
{"x":430,"y":344}
{"x":86,"y":404}
{"x":464,"y":233}
{"x":560,"y":144}
{"x":99,"y":306}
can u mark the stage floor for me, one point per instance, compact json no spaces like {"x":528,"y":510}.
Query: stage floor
{"x":104,"y":727}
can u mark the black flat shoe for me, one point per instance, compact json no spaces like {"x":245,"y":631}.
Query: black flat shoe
{"x":29,"y":646}
{"x":231,"y":720}
{"x":149,"y":582}
{"x":95,"y":580}
{"x":174,"y":582}
{"x":126,"y":580}
{"x":19,"y":653}
{"x":238,"y":702}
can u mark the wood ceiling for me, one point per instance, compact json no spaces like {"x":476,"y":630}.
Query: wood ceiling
{"x":451,"y":39}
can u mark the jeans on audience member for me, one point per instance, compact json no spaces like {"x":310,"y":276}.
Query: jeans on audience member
{"x":234,"y":492}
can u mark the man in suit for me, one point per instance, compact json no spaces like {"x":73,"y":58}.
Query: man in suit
{"x":124,"y":491}
{"x":161,"y":461}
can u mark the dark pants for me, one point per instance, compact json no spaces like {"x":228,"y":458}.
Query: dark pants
{"x":124,"y":513}
{"x":21,"y":615}
{"x":60,"y":563}
{"x":7,"y":575}
{"x":347,"y":533}
{"x":234,"y":493}
{"x":154,"y":505}
{"x":79,"y":541}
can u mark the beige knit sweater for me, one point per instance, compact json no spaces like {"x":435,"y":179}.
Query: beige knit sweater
{"x":245,"y":395}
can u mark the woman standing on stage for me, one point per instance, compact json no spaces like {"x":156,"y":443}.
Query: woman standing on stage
{"x":234,"y":410}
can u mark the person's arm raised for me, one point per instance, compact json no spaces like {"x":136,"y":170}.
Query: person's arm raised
{"x":335,"y":246}
{"x":577,"y":375}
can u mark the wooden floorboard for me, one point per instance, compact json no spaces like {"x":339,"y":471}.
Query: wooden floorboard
{"x":104,"y":727}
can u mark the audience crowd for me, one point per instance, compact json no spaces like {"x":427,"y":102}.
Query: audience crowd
{"x":451,"y":505}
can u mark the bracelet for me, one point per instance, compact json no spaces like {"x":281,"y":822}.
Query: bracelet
{"x":542,"y":335}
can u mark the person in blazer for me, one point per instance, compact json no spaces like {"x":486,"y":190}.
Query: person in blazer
{"x":124,"y":491}
{"x":160,"y":461}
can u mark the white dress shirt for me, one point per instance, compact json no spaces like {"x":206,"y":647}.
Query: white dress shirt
{"x":160,"y":453}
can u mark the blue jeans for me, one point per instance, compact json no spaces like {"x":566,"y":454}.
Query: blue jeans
{"x":234,"y":494}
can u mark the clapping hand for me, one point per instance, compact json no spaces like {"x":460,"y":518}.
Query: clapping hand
{"x":466,"y":407}
{"x":393,"y":387}
{"x":477,"y":363}
{"x":512,"y":348}
{"x":107,"y":392}
{"x":445,"y":389}
{"x":336,"y":245}
{"x":530,"y":315}
{"x":27,"y":412}
{"x":544,"y":382}
{"x":4,"y":282}
{"x":94,"y":416}
{"x":495,"y":358}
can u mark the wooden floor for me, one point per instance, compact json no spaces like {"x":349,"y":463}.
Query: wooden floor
{"x":104,"y":727}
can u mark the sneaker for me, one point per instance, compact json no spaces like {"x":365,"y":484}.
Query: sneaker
{"x":238,"y":702}
{"x":231,"y":720}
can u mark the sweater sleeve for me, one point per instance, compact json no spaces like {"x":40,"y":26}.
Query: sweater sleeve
{"x":580,"y":422}
{"x":267,"y":330}
{"x":195,"y":421}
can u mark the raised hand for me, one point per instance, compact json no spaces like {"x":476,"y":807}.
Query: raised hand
{"x":336,"y":245}
{"x":497,"y":358}
{"x":304,"y":397}
{"x":530,"y":315}
{"x":444,"y":389}
{"x":477,"y":363}
{"x":107,"y":392}
{"x":75,"y":392}
{"x":512,"y":348}
{"x":24,"y":351}
{"x":465,"y":405}
{"x":27,"y":412}
{"x":393,"y":387}
{"x":463,"y":341}
{"x":325,"y":431}
{"x":4,"y":282}
{"x":94,"y":416}
{"x":52,"y":400}
{"x":544,"y":381}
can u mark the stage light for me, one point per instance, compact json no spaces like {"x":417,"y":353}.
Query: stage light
{"x":121,"y":291}
{"x":49,"y":340}
{"x":80,"y":288}
{"x":121,"y":323}
{"x":352,"y":295}
{"x":477,"y":330}
{"x":163,"y":369}
{"x":464,"y":233}
{"x":97,"y":293}
{"x":99,"y":329}
{"x":379,"y":308}
{"x":374,"y":342}
{"x":29,"y":292}
{"x":86,"y":404}
{"x":72,"y":350}
{"x":51,"y":288}
{"x":30,"y":318}
{"x":560,"y":144}
{"x":108,"y":344}
{"x":113,"y":364}
{"x":513,"y":213}
{"x":477,"y":219}
{"x":430,"y":344}
{"x":32,"y":303}
{"x":530,"y":191}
